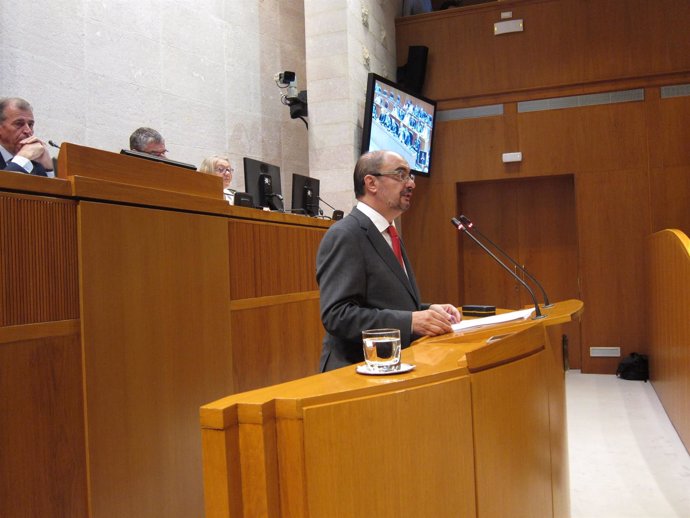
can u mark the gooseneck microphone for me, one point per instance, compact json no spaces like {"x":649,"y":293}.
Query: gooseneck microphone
{"x":337,"y":214}
{"x":460,"y":226}
{"x":469,"y":225}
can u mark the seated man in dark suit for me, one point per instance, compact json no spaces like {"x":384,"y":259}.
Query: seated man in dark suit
{"x":20,"y":150}
{"x":364,"y":282}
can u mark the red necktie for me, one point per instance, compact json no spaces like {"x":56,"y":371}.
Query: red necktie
{"x":395,"y":239}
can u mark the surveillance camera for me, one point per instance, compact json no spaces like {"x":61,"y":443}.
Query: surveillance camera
{"x":286,"y":77}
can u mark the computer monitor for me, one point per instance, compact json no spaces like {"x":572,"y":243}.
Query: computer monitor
{"x":262,"y":182}
{"x":156,"y":158}
{"x":305,"y":195}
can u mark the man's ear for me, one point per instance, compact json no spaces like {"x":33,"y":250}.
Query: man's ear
{"x":370,"y":184}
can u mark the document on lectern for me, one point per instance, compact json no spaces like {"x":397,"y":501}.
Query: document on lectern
{"x":493,"y":319}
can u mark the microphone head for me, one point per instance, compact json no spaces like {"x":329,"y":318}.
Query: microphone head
{"x":466,"y":221}
{"x":456,"y":222}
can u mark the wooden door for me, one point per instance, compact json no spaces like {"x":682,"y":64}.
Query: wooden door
{"x":533,"y":220}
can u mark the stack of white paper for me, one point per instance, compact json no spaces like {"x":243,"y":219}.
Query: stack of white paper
{"x":494,"y":319}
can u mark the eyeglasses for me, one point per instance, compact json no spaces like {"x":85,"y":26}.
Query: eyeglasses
{"x":402,"y":175}
{"x":158,"y":153}
{"x":220,"y":169}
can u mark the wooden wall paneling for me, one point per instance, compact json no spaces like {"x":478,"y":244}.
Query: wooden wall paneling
{"x":635,"y":38}
{"x":613,"y":53}
{"x":534,"y":221}
{"x":279,"y":259}
{"x":593,"y":43}
{"x":668,"y":325}
{"x":388,"y":449}
{"x":525,"y":60}
{"x":670,"y":198}
{"x":654,"y":127}
{"x":547,"y":235}
{"x":241,"y":257}
{"x":492,"y":207}
{"x":672,"y":131}
{"x":593,"y":138}
{"x":156,"y":339}
{"x":425,"y":227}
{"x":475,"y":62}
{"x":278,"y":340}
{"x":549,"y":247}
{"x":613,"y":221}
{"x":38,"y":259}
{"x":668,"y":136}
{"x":42,"y":435}
{"x":463,"y":149}
{"x":471,"y":149}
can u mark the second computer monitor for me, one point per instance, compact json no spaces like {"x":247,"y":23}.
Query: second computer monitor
{"x":262,"y":181}
{"x":305,"y":195}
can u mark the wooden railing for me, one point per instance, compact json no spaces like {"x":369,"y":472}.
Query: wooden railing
{"x":668,"y":319}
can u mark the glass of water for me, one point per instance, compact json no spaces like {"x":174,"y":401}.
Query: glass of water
{"x":381,"y":349}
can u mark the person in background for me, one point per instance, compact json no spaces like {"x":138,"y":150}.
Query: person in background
{"x":149,"y":141}
{"x":416,"y":7}
{"x":220,"y":166}
{"x":20,"y":150}
{"x":364,"y":282}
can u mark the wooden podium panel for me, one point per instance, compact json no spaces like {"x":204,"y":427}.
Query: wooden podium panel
{"x":38,"y":263}
{"x":121,"y":313}
{"x":281,"y":339}
{"x":404,"y":453}
{"x":82,"y":161}
{"x":155,"y":322}
{"x":42,"y":422}
{"x":468,"y":432}
{"x":42,"y":457}
{"x":511,"y":439}
{"x":275,"y":301}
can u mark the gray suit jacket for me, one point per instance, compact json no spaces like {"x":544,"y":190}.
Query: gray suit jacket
{"x":362,"y":286}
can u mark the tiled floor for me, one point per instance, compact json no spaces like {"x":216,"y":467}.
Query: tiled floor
{"x":626,"y":460}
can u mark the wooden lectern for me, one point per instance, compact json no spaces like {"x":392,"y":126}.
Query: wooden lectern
{"x":477,"y":429}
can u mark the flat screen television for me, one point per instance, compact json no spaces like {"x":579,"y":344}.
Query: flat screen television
{"x":262,"y":182}
{"x":305,"y":195}
{"x":396,"y":119}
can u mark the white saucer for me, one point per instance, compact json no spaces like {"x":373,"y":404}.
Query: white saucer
{"x":404,"y":367}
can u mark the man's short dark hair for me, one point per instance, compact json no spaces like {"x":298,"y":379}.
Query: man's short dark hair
{"x":17,"y":101}
{"x":142,"y":137}
{"x":369,"y":163}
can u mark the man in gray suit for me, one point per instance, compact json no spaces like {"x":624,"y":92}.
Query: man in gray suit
{"x":20,"y":150}
{"x":362,"y":283}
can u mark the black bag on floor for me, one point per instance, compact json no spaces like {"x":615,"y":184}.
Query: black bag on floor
{"x":634,"y":367}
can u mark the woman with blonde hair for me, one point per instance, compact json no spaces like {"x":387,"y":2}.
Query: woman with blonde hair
{"x":220,"y":166}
